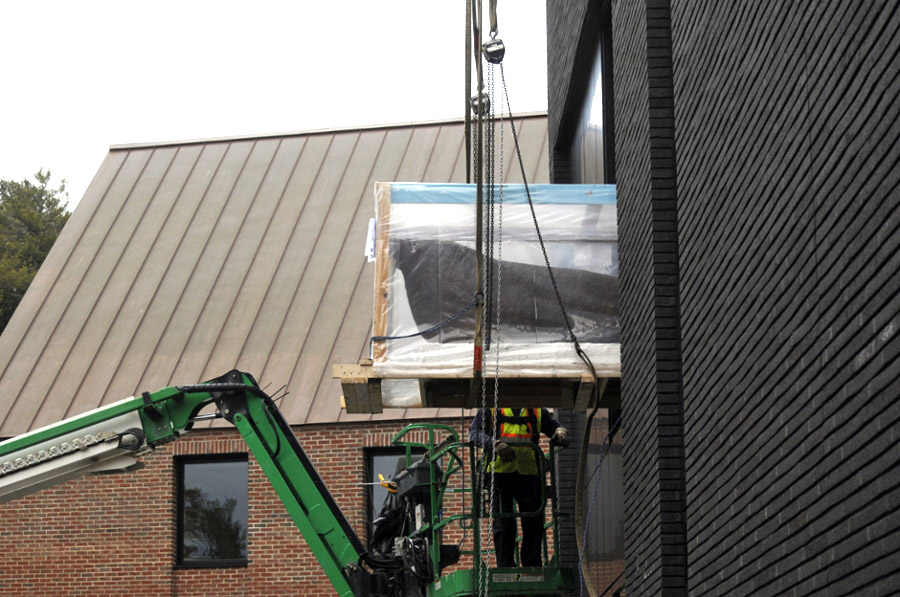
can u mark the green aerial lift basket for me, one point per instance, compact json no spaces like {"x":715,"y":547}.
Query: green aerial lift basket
{"x":438,"y":472}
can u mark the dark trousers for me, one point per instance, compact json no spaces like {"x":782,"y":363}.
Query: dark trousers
{"x":526,"y":491}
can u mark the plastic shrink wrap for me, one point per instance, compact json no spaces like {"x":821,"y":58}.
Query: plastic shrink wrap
{"x":425,"y":274}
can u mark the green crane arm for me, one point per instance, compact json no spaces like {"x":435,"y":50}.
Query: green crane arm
{"x":114,"y":437}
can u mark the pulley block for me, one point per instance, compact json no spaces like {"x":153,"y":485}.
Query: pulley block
{"x":485,"y":104}
{"x":494,"y":50}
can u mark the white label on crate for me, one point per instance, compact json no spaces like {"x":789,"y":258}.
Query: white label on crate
{"x":370,"y":241}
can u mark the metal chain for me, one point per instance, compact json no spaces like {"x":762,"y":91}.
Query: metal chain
{"x":483,"y":584}
{"x":487,"y":451}
{"x":499,"y":245}
{"x":484,"y":589}
{"x":491,"y":194}
{"x":499,"y":248}
{"x":489,"y":232}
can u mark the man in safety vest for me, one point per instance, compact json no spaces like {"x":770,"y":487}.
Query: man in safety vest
{"x":515,"y":473}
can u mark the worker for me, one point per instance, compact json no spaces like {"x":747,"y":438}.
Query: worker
{"x":515,"y":475}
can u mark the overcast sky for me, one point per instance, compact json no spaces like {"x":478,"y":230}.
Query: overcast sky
{"x":78,"y":77}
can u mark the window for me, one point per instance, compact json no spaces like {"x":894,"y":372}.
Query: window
{"x":592,"y":144}
{"x":387,"y":461}
{"x":212,"y":510}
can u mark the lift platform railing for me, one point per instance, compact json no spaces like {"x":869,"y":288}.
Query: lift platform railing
{"x":445,"y":455}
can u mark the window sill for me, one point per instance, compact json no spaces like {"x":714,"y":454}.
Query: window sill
{"x":212,"y":564}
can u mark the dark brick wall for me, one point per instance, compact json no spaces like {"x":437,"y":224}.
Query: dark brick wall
{"x":651,"y":360}
{"x":567,"y":486}
{"x":788,"y":166}
{"x":760,"y":181}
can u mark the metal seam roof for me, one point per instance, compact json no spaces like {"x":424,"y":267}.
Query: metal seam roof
{"x":304,"y":133}
{"x":184,"y":260}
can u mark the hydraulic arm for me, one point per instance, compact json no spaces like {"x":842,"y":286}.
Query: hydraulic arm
{"x":112,"y":438}
{"x":408,"y":555}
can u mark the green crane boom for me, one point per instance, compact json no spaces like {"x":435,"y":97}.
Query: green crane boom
{"x":113,"y":437}
{"x":408,"y":556}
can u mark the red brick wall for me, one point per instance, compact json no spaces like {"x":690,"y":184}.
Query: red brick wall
{"x":117,"y":534}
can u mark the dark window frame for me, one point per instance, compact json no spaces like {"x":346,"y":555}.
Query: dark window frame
{"x":180,"y":462}
{"x":371,"y":508}
{"x":595,"y":45}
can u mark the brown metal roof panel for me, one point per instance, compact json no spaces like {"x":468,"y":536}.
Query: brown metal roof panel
{"x":354,"y":325}
{"x":301,"y":296}
{"x":450,"y":139}
{"x":277,"y":269}
{"x":156,"y":290}
{"x":67,"y":304}
{"x":218,"y":337}
{"x":191,"y":275}
{"x":22,"y":321}
{"x":251,"y":276}
{"x":225,"y":258}
{"x":416,"y":158}
{"x":458,"y":173}
{"x":350,"y":330}
{"x":418,"y":154}
{"x":352,"y":342}
{"x":122,"y":304}
{"x":343,"y":323}
{"x":99,"y":297}
{"x":333,"y":271}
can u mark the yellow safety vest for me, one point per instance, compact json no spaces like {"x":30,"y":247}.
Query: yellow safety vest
{"x":511,"y":428}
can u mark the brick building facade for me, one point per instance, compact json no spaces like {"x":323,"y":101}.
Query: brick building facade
{"x":185,"y":260}
{"x":117,"y":534}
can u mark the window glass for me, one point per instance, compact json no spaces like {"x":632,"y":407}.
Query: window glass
{"x":212,"y":513}
{"x":591,"y":141}
{"x":604,"y":554}
{"x":384,"y":461}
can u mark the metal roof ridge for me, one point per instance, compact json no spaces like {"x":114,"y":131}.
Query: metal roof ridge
{"x":349,"y":129}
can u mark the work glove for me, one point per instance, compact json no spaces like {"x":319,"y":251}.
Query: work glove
{"x":504,"y":451}
{"x":560,"y":437}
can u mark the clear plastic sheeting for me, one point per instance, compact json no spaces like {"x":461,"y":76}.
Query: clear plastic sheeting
{"x":425,"y":275}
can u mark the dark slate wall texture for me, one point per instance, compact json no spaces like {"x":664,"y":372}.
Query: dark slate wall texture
{"x":787,"y":154}
{"x":652,"y":425}
{"x":651,"y":359}
{"x":787,"y":143}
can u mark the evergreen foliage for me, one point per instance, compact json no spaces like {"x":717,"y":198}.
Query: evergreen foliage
{"x":32,"y":214}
